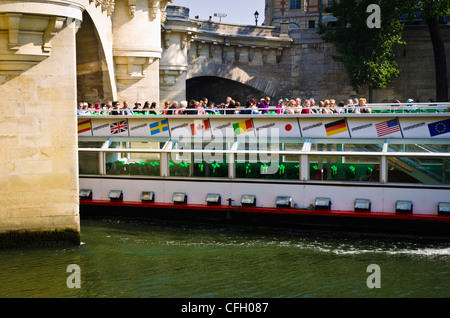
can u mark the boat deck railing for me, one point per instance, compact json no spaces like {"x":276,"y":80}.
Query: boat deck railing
{"x":378,"y":108}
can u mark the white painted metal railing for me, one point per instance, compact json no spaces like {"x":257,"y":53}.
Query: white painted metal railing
{"x":384,"y":108}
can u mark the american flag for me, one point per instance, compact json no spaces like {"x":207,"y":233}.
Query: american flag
{"x":119,"y":127}
{"x":387,"y":127}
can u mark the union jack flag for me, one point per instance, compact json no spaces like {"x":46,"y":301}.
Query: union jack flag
{"x":119,"y":127}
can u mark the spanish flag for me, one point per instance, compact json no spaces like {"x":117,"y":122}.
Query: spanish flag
{"x":336,"y":127}
{"x":84,"y":125}
{"x":243,"y":127}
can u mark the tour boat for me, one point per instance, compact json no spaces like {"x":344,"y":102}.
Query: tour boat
{"x":388,"y":170}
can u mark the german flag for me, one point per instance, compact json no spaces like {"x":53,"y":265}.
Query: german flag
{"x":336,"y":127}
{"x":84,"y":125}
{"x":242,"y":127}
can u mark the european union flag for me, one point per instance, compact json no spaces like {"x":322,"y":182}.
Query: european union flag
{"x":439,"y":127}
{"x":159,"y":127}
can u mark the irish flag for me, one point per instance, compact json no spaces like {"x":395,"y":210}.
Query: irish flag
{"x":243,"y":127}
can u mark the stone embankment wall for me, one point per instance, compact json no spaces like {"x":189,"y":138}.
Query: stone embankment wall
{"x":316,"y":74}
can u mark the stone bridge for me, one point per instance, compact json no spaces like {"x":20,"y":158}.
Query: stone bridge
{"x":56,"y":53}
{"x":197,"y":54}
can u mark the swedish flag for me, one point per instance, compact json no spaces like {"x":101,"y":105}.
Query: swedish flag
{"x":439,"y":127}
{"x":159,"y":127}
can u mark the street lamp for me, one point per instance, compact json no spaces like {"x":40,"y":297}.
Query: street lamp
{"x":256,"y":17}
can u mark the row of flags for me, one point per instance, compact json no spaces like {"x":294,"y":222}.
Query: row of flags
{"x":163,"y":125}
{"x":388,"y":127}
{"x":382,"y":128}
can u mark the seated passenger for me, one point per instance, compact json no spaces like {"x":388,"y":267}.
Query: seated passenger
{"x":326,"y":107}
{"x":264,"y":105}
{"x":363,"y":108}
{"x":248,"y":110}
{"x":137,"y":109}
{"x":126,"y":110}
{"x":182,"y":109}
{"x":290,"y":108}
{"x":166,"y":110}
{"x":298,"y":106}
{"x":314,"y":109}
{"x":410,"y":105}
{"x":81,"y":111}
{"x":230,"y":106}
{"x":212,"y":109}
{"x":340,"y":107}
{"x":116,"y":108}
{"x":349,"y":106}
{"x":201,"y":108}
{"x":173,"y":108}
{"x":281,"y":106}
{"x":152,"y":110}
{"x":91,"y":109}
{"x":306,"y":107}
{"x":191,"y":109}
{"x":97,"y":108}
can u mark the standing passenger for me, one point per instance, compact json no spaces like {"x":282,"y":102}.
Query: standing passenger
{"x":230,"y":106}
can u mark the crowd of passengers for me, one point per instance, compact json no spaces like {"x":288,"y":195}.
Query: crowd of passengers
{"x":230,"y":106}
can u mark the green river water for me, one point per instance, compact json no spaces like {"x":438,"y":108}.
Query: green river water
{"x":133,"y":258}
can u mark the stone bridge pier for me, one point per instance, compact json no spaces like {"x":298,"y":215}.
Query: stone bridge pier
{"x":38,"y":190}
{"x":46,"y":67}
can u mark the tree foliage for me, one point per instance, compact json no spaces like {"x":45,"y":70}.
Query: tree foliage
{"x":432,"y":11}
{"x":366,"y":53}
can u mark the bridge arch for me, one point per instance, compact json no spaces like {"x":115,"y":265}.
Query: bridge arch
{"x":217,"y":89}
{"x":232,"y":73}
{"x":95,"y":64}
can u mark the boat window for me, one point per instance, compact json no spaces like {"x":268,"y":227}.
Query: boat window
{"x":344,"y":168}
{"x":364,"y":145}
{"x":91,"y":143}
{"x":426,"y":170}
{"x":138,"y":143}
{"x":421,"y":146}
{"x":134,"y":164}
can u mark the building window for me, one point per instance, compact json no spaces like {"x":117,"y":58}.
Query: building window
{"x":295,"y":4}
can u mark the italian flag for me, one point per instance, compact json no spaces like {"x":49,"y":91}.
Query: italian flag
{"x":243,"y":127}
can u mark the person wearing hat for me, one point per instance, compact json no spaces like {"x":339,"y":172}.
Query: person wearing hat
{"x":410,"y":105}
{"x":282,"y":103}
{"x":264,"y":105}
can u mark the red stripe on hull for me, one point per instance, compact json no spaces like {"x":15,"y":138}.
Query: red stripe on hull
{"x":374,"y":215}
